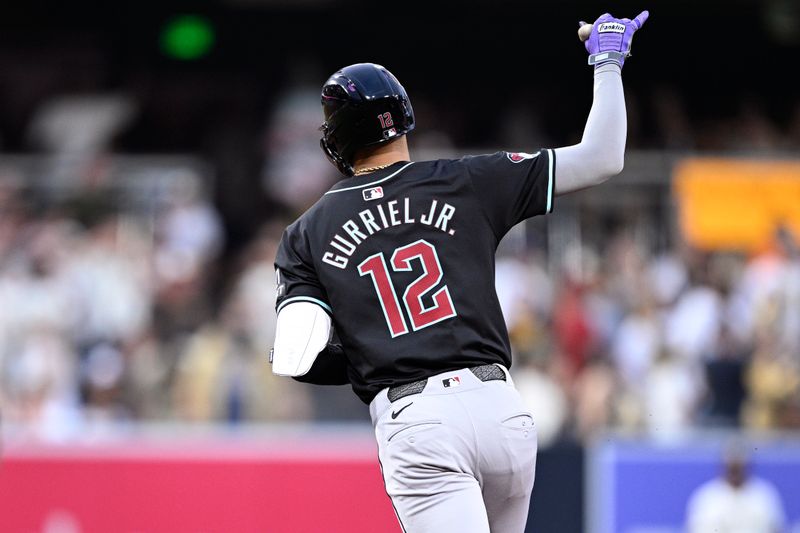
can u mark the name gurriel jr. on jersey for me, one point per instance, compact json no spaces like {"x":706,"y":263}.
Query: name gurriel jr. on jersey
{"x":379,"y":217}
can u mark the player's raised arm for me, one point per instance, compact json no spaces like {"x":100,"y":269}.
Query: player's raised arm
{"x":601,"y":152}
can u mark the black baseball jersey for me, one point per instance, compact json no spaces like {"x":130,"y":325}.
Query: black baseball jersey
{"x":403,"y":259}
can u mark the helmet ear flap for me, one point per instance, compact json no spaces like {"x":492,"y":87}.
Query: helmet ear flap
{"x":334,"y":157}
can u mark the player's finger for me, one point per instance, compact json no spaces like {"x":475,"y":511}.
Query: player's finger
{"x":641,"y":18}
{"x":582,"y":23}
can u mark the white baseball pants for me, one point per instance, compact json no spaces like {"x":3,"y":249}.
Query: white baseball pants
{"x":458,"y":457}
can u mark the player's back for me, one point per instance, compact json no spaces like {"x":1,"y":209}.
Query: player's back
{"x":404,"y":261}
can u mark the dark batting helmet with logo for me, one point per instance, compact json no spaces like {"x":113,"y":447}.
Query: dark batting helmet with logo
{"x":364,"y":105}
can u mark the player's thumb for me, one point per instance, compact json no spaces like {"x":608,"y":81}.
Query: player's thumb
{"x":641,"y":18}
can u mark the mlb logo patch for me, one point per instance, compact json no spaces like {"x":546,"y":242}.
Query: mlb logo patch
{"x":451,"y":382}
{"x":373,"y":193}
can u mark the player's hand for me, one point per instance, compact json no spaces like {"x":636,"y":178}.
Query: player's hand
{"x":609,"y":38}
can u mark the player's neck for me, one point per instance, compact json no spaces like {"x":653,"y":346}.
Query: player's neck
{"x":381,"y":156}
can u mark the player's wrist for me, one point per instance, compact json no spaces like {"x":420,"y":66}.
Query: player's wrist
{"x":609,"y":56}
{"x":609,"y":66}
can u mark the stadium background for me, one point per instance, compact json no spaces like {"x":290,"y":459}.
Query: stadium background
{"x":151,"y":155}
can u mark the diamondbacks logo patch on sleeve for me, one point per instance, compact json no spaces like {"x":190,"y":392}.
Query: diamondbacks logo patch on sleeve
{"x":518,"y":157}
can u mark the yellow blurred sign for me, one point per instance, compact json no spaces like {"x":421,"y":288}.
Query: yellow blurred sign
{"x":736,"y":203}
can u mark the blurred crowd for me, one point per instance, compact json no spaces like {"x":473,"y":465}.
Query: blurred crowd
{"x":657,"y":342}
{"x":110,"y":316}
{"x":112,"y":313}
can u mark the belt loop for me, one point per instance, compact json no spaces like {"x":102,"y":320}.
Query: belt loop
{"x":507,"y":372}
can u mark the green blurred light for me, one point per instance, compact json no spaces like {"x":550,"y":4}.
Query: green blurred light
{"x":187,"y":37}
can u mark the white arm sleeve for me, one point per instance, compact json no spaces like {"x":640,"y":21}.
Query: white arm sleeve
{"x":601,"y":152}
{"x":303,"y":330}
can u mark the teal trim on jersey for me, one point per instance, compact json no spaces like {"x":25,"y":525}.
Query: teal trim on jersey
{"x":320,"y":303}
{"x":390,"y":176}
{"x":549,"y":181}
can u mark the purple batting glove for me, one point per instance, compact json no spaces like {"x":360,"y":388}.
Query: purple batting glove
{"x":611,"y":38}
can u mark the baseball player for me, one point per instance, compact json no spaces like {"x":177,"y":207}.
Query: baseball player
{"x":396,"y":262}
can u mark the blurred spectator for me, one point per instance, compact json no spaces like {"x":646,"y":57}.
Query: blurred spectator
{"x":736,"y":501}
{"x":39,"y":386}
{"x":102,"y":375}
{"x":758,"y":290}
{"x":636,"y":345}
{"x":537,"y":376}
{"x":789,"y":315}
{"x":672,"y":389}
{"x":572,"y":326}
{"x":667,"y":277}
{"x":189,"y":238}
{"x":255,"y":288}
{"x":292,"y":137}
{"x":12,"y":210}
{"x":78,"y":130}
{"x":693,"y":324}
{"x":544,"y":395}
{"x":772,"y":382}
{"x":594,"y":394}
{"x":605,"y":310}
{"x":147,"y":379}
{"x":80,"y":124}
{"x":189,"y":229}
{"x":109,"y":276}
{"x":725,"y":383}
{"x":522,"y":286}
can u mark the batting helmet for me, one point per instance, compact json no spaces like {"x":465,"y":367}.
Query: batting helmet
{"x":364,"y":105}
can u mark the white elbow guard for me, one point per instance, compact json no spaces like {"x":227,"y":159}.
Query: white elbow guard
{"x":303,"y":330}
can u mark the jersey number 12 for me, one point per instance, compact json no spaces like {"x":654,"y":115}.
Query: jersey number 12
{"x":421,"y":316}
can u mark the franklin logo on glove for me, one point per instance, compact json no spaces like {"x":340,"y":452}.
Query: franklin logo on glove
{"x":614,"y":27}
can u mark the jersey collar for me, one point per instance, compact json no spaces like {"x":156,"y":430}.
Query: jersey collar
{"x":373,"y":178}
